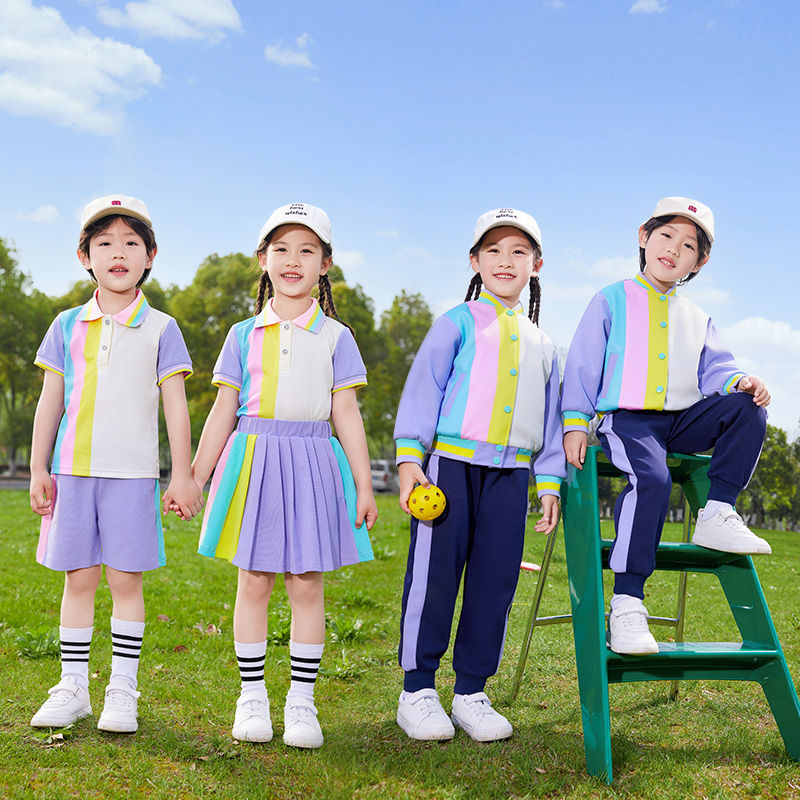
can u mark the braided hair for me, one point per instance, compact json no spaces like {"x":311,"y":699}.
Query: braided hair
{"x":535,"y":302}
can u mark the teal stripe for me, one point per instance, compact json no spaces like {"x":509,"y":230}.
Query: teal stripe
{"x":222,"y":498}
{"x":361,"y":535}
{"x":162,"y":553}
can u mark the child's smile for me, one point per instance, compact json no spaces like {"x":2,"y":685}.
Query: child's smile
{"x":505,"y":263}
{"x":670,"y":252}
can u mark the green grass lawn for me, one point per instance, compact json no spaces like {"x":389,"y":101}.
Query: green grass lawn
{"x":717,"y":741}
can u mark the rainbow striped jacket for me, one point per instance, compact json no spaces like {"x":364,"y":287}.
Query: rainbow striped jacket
{"x":112,"y":367}
{"x":636,"y":348}
{"x":483,"y":389}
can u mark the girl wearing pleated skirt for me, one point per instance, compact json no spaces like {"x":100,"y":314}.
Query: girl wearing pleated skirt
{"x":286,"y":496}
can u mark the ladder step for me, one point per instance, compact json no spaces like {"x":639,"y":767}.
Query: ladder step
{"x":683,"y":556}
{"x":692,"y":661}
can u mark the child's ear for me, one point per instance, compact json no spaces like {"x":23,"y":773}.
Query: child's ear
{"x":537,"y":266}
{"x":700,"y":264}
{"x":84,"y":259}
{"x":326,"y":265}
{"x":473,"y":261}
{"x":262,"y":260}
{"x":643,"y":237}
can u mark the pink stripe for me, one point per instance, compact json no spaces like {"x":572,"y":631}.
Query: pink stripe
{"x":256,"y":371}
{"x":44,"y":531}
{"x":77,"y":346}
{"x":635,"y":358}
{"x":483,"y":375}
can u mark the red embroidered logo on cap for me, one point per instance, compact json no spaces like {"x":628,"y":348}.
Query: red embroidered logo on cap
{"x":692,"y":208}
{"x":116,"y":202}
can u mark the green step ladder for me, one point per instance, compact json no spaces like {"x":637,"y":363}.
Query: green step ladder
{"x":758,"y":657}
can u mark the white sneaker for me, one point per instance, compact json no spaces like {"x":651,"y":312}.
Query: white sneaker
{"x":474,"y":713}
{"x":68,"y":702}
{"x":252,"y":722}
{"x":627,"y":627}
{"x":726,"y":531}
{"x":120,"y":709}
{"x":421,"y":716}
{"x":301,"y":727}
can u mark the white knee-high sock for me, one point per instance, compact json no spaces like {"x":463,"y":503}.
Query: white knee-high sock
{"x":126,"y":646}
{"x":251,"y":657}
{"x":75,"y":644}
{"x":305,"y":660}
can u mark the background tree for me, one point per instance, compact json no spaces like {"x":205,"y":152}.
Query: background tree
{"x":773,"y":488}
{"x":25,"y":314}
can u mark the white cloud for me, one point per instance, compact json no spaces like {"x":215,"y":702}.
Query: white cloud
{"x":44,"y":215}
{"x":770,"y":349}
{"x":350,"y":260}
{"x":649,"y":7}
{"x":388,"y":234}
{"x":67,"y":76}
{"x":175,"y":19}
{"x":288,"y":57}
{"x":556,"y":4}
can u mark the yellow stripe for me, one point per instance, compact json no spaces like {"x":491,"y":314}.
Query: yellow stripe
{"x":270,"y":354}
{"x":349,"y":386}
{"x":523,"y":458}
{"x":183,"y":371}
{"x":506,"y":393}
{"x":553,"y":487}
{"x":584,"y":423}
{"x":48,"y":368}
{"x":229,"y":535}
{"x":225,"y":383}
{"x":657,"y":342}
{"x":84,"y":422}
{"x":410,"y":451}
{"x":441,"y":447}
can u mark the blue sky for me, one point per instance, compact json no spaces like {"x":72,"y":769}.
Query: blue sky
{"x":407,"y":121}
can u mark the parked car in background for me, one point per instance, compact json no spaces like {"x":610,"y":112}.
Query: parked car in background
{"x":383,"y":475}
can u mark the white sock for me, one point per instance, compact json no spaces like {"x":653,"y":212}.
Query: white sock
{"x":75,"y":644}
{"x":305,"y":660}
{"x":618,"y":598}
{"x":251,"y":657}
{"x":712,"y":506}
{"x":126,"y":646}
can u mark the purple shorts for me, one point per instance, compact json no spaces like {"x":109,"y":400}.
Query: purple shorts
{"x":111,"y":521}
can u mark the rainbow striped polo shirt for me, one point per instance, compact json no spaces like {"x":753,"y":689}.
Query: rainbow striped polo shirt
{"x":112,"y":368}
{"x":288,"y":369}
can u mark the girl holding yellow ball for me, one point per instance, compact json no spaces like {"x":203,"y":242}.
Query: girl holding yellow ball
{"x":479,"y":408}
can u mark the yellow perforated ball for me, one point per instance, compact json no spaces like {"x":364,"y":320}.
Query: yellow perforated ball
{"x":426,"y":504}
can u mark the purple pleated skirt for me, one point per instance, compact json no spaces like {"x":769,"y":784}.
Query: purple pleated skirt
{"x":283,"y":499}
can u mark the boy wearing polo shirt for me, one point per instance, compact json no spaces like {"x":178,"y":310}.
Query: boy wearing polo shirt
{"x":106,"y":363}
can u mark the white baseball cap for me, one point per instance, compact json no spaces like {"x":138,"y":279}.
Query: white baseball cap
{"x":115,"y":204}
{"x":691,"y":209}
{"x":502,"y":217}
{"x":298,"y":214}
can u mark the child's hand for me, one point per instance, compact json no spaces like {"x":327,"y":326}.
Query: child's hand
{"x":410,"y":474}
{"x":366,"y":509}
{"x":755,"y":386}
{"x":547,"y":524}
{"x":184,"y":497}
{"x":41,"y":493}
{"x":575,"y":444}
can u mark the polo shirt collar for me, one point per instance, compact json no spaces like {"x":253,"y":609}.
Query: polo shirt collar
{"x":311,"y":320}
{"x":488,"y":297}
{"x":642,"y":281}
{"x":131,"y":317}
